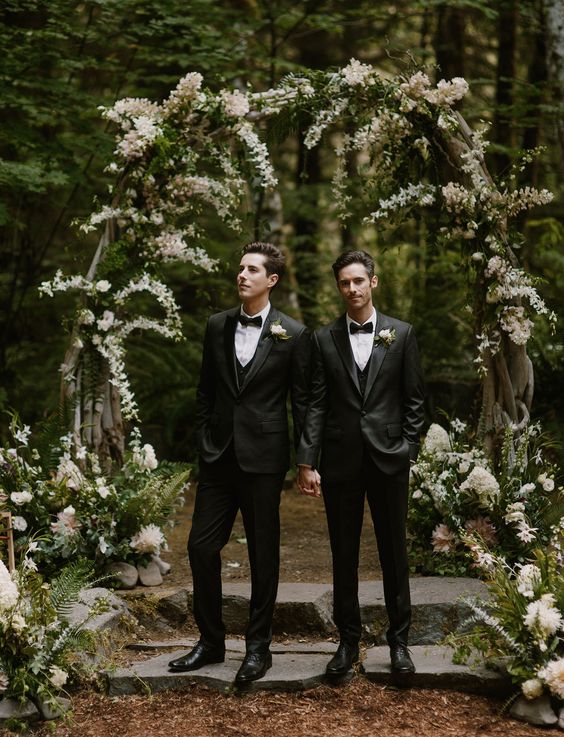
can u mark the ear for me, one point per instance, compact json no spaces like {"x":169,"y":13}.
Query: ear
{"x":374,"y":282}
{"x":272,"y":279}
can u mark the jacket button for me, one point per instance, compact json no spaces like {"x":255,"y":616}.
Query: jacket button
{"x":363,"y":413}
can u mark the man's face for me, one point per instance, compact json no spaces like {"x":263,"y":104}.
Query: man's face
{"x":252,"y":280}
{"x":356,"y":286}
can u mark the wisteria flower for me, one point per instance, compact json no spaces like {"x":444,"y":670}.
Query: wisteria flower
{"x":528,"y":577}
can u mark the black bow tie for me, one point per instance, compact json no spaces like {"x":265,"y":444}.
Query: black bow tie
{"x":355,"y":328}
{"x":244,"y":320}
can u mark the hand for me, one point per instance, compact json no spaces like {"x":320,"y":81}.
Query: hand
{"x":309,"y":481}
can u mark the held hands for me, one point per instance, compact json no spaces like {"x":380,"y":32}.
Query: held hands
{"x":309,"y":481}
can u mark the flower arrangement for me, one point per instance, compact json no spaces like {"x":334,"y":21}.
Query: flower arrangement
{"x":456,"y":491}
{"x":36,"y":637}
{"x":59,"y":492}
{"x":522,"y":619}
{"x":385,"y":337}
{"x":200,"y":153}
{"x":277,"y":332}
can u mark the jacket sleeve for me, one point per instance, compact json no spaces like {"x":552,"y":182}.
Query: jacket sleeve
{"x":310,"y":442}
{"x":300,"y":381}
{"x":205,"y":391}
{"x":413,"y":395}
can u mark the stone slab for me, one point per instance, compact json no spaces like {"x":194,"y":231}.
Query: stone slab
{"x":238,"y":646}
{"x":291,"y":671}
{"x":108,"y":620}
{"x":435,"y":669}
{"x":297,"y":666}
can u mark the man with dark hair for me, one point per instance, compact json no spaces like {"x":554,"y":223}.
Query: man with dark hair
{"x":253,"y":355}
{"x":362,"y":427}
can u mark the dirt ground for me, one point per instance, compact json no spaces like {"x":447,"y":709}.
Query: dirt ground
{"x":304,"y":547}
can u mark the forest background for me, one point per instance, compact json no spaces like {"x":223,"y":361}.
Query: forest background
{"x":62,"y":59}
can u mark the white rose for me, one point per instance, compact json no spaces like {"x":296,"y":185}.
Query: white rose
{"x":19,"y":523}
{"x":277,"y":330}
{"x":103,"y":285}
{"x":21,"y":497}
{"x":106,"y":321}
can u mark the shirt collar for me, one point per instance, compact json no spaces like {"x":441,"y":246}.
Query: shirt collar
{"x":371,"y":318}
{"x":263,"y":313}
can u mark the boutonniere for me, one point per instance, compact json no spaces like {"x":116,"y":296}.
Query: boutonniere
{"x":385,"y":337}
{"x":277,"y":332}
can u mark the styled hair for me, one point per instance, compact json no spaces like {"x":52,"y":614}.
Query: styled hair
{"x":274,"y":262}
{"x":354,"y":257}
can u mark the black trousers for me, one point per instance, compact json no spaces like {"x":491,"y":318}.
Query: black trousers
{"x":223,"y":489}
{"x":344,"y":505}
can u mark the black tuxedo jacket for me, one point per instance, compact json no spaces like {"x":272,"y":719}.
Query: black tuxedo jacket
{"x":254,"y":415}
{"x":342,"y":421}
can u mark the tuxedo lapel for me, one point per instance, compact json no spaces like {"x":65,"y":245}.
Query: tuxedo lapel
{"x":263,"y":348}
{"x":378,"y":355}
{"x":343,"y":345}
{"x":229,"y":346}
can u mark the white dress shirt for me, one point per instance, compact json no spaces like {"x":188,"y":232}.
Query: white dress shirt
{"x":362,"y":343}
{"x":247,"y":336}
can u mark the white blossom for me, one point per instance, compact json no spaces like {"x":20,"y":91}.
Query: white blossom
{"x":149,"y":539}
{"x":145,"y":457}
{"x":553,"y":675}
{"x":483,"y":485}
{"x":9,"y":593}
{"x":235,"y":104}
{"x":528,"y":577}
{"x":21,"y":497}
{"x":543,"y":617}
{"x":356,"y":73}
{"x":19,"y":523}
{"x":437,"y":441}
{"x":532,"y":688}
{"x":58,"y":676}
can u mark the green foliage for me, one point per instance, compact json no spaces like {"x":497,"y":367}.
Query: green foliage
{"x":36,"y":637}
{"x":519,"y":621}
{"x":455,"y":492}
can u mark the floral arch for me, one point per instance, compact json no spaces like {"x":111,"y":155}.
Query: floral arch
{"x":200,"y":151}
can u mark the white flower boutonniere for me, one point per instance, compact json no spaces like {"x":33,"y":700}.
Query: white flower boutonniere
{"x":385,"y":337}
{"x":277,"y":332}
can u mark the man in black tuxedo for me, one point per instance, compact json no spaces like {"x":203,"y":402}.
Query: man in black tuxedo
{"x":252,"y":356}
{"x":362,"y":427}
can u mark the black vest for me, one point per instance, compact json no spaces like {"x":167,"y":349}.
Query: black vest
{"x":242,"y":371}
{"x":363,"y":375}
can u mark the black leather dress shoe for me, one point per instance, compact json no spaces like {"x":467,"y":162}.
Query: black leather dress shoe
{"x":341,"y":663}
{"x":401,"y":660}
{"x":199,"y":656}
{"x":253,"y":667}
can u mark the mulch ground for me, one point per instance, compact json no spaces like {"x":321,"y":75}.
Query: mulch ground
{"x":359,"y":709}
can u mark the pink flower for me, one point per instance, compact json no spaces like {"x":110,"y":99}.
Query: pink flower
{"x":483,"y":527}
{"x":443,"y":539}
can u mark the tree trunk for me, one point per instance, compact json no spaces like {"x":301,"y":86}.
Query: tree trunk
{"x":503,"y":121}
{"x":554,"y":19}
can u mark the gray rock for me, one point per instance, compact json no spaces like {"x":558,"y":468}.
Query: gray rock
{"x":110,"y":619}
{"x":150,"y":574}
{"x":435,"y":669}
{"x":56,"y":710}
{"x":125,"y":574}
{"x":12,"y":709}
{"x":561,"y":718}
{"x":162,"y":565}
{"x":535,"y":711}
